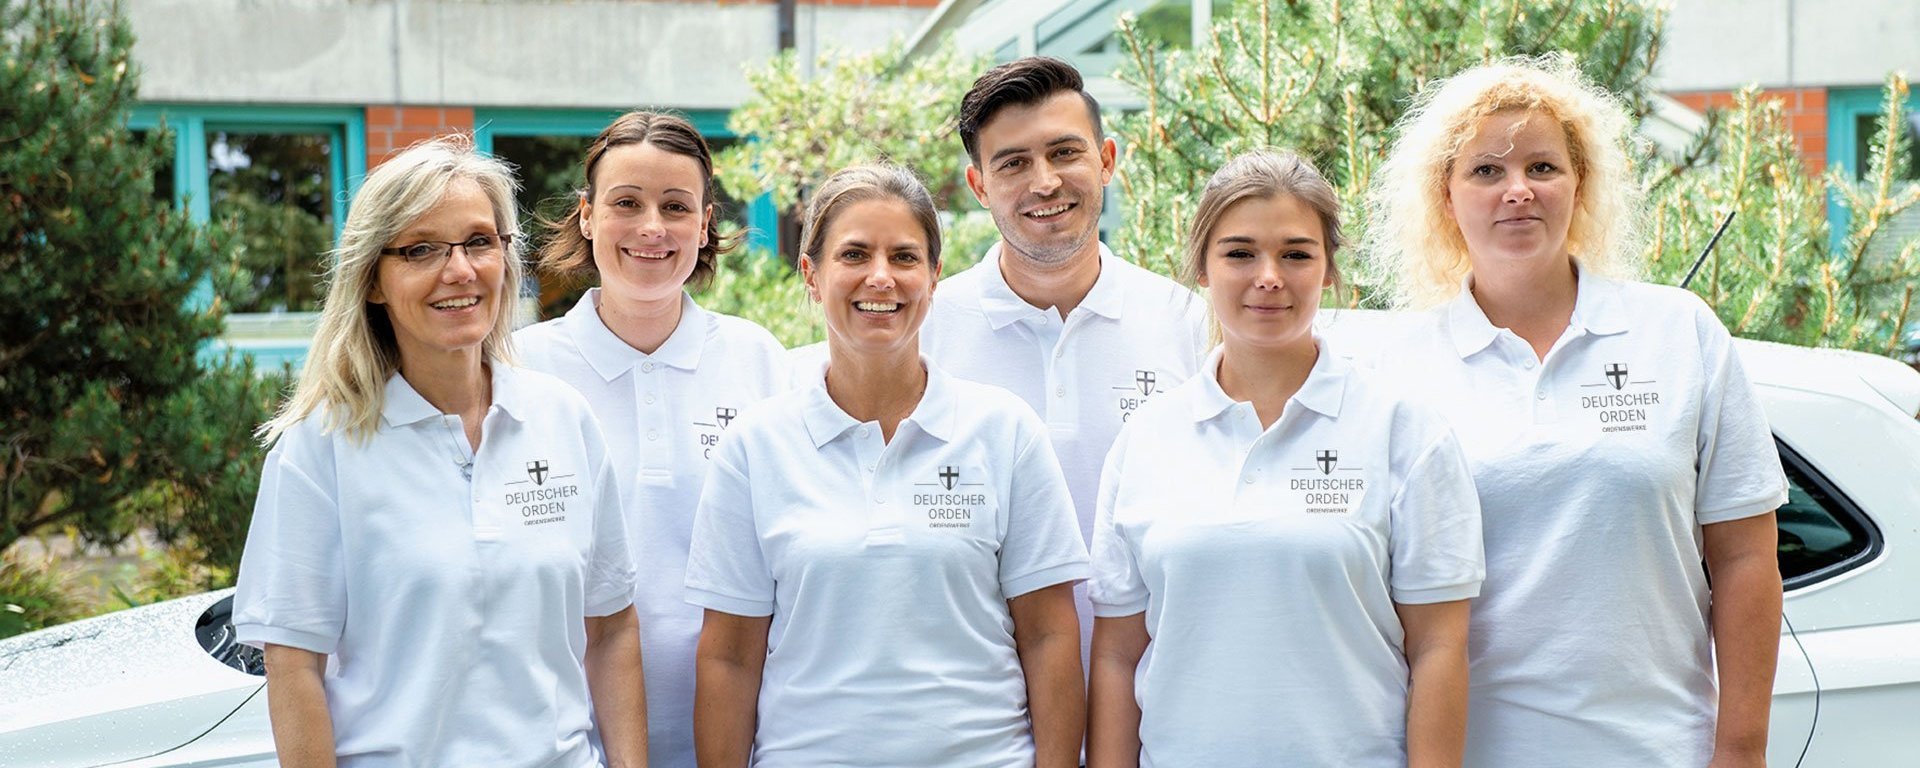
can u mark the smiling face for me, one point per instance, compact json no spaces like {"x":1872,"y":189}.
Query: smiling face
{"x":647,"y":221}
{"x":1512,"y":191}
{"x":444,"y":306}
{"x":873,"y":277}
{"x":1266,"y":264}
{"x":1041,"y":171}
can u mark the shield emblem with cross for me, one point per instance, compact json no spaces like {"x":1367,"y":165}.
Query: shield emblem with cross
{"x":1617,"y":375}
{"x":1146,"y":380}
{"x":949,"y":476}
{"x":723,"y":416}
{"x":1326,"y":460}
{"x":538,"y":471}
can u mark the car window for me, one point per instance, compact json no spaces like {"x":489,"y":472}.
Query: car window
{"x":1822,"y":533}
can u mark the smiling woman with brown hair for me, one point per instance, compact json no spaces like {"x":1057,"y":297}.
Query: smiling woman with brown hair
{"x":886,"y":554}
{"x":437,"y":568}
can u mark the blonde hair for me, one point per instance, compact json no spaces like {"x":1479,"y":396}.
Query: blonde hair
{"x":1262,"y":174}
{"x":1415,"y":248}
{"x":861,"y":183}
{"x":354,"y":352}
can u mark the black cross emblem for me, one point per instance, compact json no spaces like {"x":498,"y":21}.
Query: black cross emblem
{"x":1617,"y":375}
{"x":1146,"y":381}
{"x":724,"y":416}
{"x":538,"y":471}
{"x":948,"y":476}
{"x":1326,"y":460}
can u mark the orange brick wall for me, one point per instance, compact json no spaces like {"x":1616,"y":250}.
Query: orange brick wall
{"x":391,"y":129}
{"x":1806,"y":113}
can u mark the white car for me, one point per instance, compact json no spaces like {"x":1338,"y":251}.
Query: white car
{"x":165,"y":685}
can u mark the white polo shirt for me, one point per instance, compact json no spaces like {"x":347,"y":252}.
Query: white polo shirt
{"x":1268,"y":563}
{"x":1596,"y":469}
{"x":664,"y":415}
{"x":886,"y":568}
{"x":1134,"y":337}
{"x":453,"y":609}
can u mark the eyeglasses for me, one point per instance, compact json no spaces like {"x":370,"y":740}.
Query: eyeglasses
{"x":432,"y":254}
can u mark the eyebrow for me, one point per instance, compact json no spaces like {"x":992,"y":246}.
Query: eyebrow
{"x":638,"y":188}
{"x":1295,"y":240}
{"x":1067,"y":139}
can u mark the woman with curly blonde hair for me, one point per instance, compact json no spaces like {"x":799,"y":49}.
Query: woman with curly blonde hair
{"x":1618,"y":449}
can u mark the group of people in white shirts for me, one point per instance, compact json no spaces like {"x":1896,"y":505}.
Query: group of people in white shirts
{"x":1062,"y":511}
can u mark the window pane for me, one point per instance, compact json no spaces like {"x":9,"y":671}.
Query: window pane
{"x":1815,"y":530}
{"x":162,"y":167}
{"x":275,"y":191}
{"x":1866,"y":134}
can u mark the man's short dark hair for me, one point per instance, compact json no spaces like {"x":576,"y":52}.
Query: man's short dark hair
{"x":1021,"y":82}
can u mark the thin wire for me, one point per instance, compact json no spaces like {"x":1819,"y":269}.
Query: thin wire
{"x":1811,"y":727}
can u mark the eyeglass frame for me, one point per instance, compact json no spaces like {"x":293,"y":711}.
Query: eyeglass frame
{"x":440,"y":259}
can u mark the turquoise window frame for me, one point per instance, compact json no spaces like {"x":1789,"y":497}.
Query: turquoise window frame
{"x":763,"y":219}
{"x":344,"y":127}
{"x":1844,"y":108}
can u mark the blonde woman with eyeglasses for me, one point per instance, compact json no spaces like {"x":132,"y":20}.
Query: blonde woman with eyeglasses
{"x":437,"y":568}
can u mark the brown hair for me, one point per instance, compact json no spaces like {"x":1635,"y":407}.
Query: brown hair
{"x":569,"y":254}
{"x":861,"y":183}
{"x":1263,"y":174}
{"x":1021,"y":82}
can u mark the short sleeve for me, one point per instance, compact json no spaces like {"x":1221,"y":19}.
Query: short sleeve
{"x":1437,"y":551}
{"x":610,"y":569}
{"x":1199,"y":325}
{"x":1117,"y":588}
{"x":1042,"y":545}
{"x":1738,"y":466}
{"x":726,"y":568}
{"x":292,"y":582}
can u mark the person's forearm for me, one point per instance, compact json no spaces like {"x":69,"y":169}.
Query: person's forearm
{"x":1746,"y":638}
{"x":1437,"y":706}
{"x":1113,"y":721}
{"x":617,"y":682}
{"x":297,"y":708}
{"x":726,"y":703}
{"x":1056,"y":697}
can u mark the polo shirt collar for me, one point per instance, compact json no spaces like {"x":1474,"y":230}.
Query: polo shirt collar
{"x":934,"y":415}
{"x":1596,"y":310}
{"x":1003,"y":307}
{"x":1323,"y":391}
{"x":611,"y":357}
{"x":404,"y":406}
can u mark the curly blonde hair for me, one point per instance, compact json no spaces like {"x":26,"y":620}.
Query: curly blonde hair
{"x":1415,"y":249}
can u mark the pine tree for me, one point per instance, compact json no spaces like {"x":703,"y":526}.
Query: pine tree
{"x":107,"y":421}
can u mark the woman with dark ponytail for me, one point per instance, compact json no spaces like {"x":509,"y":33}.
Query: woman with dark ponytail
{"x":664,"y":376}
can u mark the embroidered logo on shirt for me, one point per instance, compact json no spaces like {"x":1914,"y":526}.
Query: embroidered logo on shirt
{"x":1146,"y":383}
{"x":709,"y":432}
{"x":950,"y":510}
{"x":1623,"y":411}
{"x":541,"y":504}
{"x":1327,"y":494}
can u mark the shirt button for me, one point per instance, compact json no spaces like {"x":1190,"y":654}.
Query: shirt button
{"x":1059,"y":353}
{"x":1059,"y":391}
{"x":1527,"y":364}
{"x":653,"y":434}
{"x":1540,"y":396}
{"x":646,"y":367}
{"x":869,"y":467}
{"x":863,"y":432}
{"x":649,"y":399}
{"x":1249,"y":480}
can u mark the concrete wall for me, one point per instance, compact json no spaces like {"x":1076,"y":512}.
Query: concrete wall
{"x":1716,"y":45}
{"x":520,"y":53}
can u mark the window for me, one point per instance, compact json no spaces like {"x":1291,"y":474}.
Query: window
{"x":281,"y":175}
{"x":1822,"y":534}
{"x":1853,"y":127}
{"x":546,"y":146}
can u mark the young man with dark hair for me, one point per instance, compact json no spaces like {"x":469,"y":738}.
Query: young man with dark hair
{"x":1049,"y":313}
